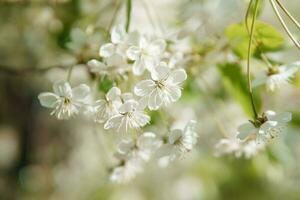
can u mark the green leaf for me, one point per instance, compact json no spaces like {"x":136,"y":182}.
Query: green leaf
{"x":236,"y":85}
{"x":105,"y":84}
{"x":266,"y":36}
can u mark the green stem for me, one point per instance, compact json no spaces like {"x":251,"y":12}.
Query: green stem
{"x":263,"y":56}
{"x":248,"y":59}
{"x":283,"y":24}
{"x":128,"y":15}
{"x":111,"y":23}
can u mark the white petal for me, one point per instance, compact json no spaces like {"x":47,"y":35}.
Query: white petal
{"x":157,"y":47}
{"x":133,"y":53}
{"x":62,"y":88}
{"x":138,"y":67}
{"x":173,"y":93}
{"x":260,"y":79}
{"x":48,"y":99}
{"x":160,"y":72}
{"x":127,"y":96}
{"x":139,"y":119}
{"x":283,"y":117}
{"x":115,"y":60}
{"x":96,"y":66}
{"x":144,"y":87}
{"x":125,"y":146}
{"x":177,"y":76}
{"x":113,"y":94}
{"x":128,"y":106}
{"x":107,"y":50}
{"x":118,"y":34}
{"x":114,"y":122}
{"x":155,"y":99}
{"x":143,"y":42}
{"x":245,"y":130}
{"x":81,"y":91}
{"x":146,"y":140}
{"x":175,"y":135}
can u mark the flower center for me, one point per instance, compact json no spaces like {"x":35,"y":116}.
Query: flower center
{"x":272,"y":70}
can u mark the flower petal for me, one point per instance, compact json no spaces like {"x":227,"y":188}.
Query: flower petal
{"x":128,"y":106}
{"x":118,"y":34}
{"x":157,"y":47}
{"x":133,"y":53}
{"x":144,"y":87}
{"x":138,"y":67}
{"x":48,"y":99}
{"x":175,"y":135}
{"x":114,"y":122}
{"x":107,"y":50}
{"x":62,"y":88}
{"x":155,"y":100}
{"x":80,"y":92}
{"x":245,"y":130}
{"x":96,"y":66}
{"x":160,"y":72}
{"x":177,"y":76}
{"x":113,"y":94}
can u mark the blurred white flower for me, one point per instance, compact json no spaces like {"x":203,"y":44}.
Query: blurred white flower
{"x":184,"y":140}
{"x":178,"y":144}
{"x":162,"y":88}
{"x":146,"y":55}
{"x":103,"y":109}
{"x":142,"y":148}
{"x":118,"y":44}
{"x":130,"y":115}
{"x":126,"y":171}
{"x":238,"y":148}
{"x":65,"y":101}
{"x":114,"y":64}
{"x":275,"y":78}
{"x":265,"y":128}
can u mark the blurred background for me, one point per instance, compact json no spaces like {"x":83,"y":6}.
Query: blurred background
{"x":44,"y":158}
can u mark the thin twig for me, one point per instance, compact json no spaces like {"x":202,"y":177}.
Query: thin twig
{"x":288,"y":13}
{"x":284,"y":25}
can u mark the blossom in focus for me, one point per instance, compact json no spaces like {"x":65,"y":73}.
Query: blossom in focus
{"x":265,"y":128}
{"x":65,"y":101}
{"x":146,"y":55}
{"x":130,"y":115}
{"x":162,"y":88}
{"x":275,"y":78}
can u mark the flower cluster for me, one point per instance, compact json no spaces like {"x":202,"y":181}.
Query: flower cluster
{"x":255,"y":135}
{"x":159,"y":83}
{"x":132,"y":154}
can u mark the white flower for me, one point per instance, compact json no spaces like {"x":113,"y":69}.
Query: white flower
{"x":178,"y":144}
{"x":115,"y":64}
{"x":65,"y":101}
{"x":146,"y":55}
{"x":277,"y":77}
{"x":184,"y":140}
{"x":117,"y":44}
{"x":130,"y":115}
{"x":126,"y":171}
{"x":105,"y":108}
{"x":238,"y":148}
{"x":265,"y":128}
{"x":141,"y":148}
{"x":163,"y":88}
